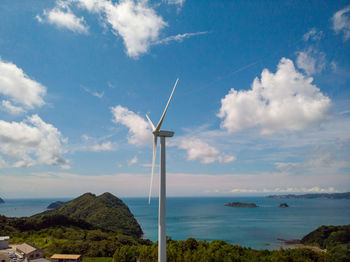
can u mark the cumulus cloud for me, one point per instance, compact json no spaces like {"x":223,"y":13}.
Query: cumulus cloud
{"x":341,"y":22}
{"x":15,"y":85}
{"x":311,"y":61}
{"x":10,"y":108}
{"x":32,"y":141}
{"x":135,"y":21}
{"x":62,"y":17}
{"x":286,"y":100}
{"x":200,"y":150}
{"x":179,"y":37}
{"x":139,"y":130}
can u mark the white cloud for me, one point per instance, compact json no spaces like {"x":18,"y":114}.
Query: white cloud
{"x":32,"y":141}
{"x":85,"y":137}
{"x":106,"y":146}
{"x":98,"y":95}
{"x":10,"y":108}
{"x":179,"y":37}
{"x":94,"y":93}
{"x":243,"y":190}
{"x":199,"y":150}
{"x":325,"y":160}
{"x":62,"y":17}
{"x":19,"y":88}
{"x":341,"y":22}
{"x":176,"y":2}
{"x":314,"y":189}
{"x":135,"y":21}
{"x":178,"y":184}
{"x":94,"y":145}
{"x":38,"y":17}
{"x":286,"y":100}
{"x":133,"y":161}
{"x":139,"y":130}
{"x":311,"y":61}
{"x":313,"y":34}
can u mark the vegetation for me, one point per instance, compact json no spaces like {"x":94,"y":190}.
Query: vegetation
{"x":55,"y":205}
{"x":105,"y":211}
{"x":89,"y":225}
{"x":336,"y":239}
{"x":345,"y":195}
{"x":61,"y":234}
{"x":97,"y":259}
{"x":215,"y":251}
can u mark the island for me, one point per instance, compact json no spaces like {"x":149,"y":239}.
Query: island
{"x":239,"y":204}
{"x":55,"y":205}
{"x":283,"y":205}
{"x":345,"y":195}
{"x":1,"y":201}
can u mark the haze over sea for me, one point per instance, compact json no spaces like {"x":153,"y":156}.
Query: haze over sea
{"x":206,"y":218}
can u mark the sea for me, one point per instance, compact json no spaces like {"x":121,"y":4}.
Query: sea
{"x":207,"y":218}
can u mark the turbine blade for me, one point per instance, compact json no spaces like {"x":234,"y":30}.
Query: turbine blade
{"x":153,"y":161}
{"x":166,"y":108}
{"x":150,"y":122}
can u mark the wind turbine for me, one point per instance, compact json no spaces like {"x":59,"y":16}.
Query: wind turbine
{"x":162,"y":185}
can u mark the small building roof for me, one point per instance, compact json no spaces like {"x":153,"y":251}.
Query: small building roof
{"x":4,"y":238}
{"x":25,"y":248}
{"x":65,"y":256}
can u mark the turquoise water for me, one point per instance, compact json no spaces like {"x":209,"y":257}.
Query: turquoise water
{"x":208,"y":218}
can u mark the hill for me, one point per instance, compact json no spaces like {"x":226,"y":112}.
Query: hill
{"x":105,"y":211}
{"x":345,"y":195}
{"x":55,"y":205}
{"x":62,"y":234}
{"x":328,"y":236}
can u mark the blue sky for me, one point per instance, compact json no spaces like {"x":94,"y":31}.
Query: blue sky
{"x":262,"y":105}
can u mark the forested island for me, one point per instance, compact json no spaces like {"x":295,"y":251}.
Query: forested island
{"x":103,"y":226}
{"x":239,"y":204}
{"x":1,"y":201}
{"x":345,"y":195}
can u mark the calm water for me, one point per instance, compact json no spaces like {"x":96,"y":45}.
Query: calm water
{"x":209,"y":219}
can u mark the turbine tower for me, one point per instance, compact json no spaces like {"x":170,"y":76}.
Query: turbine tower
{"x":162,"y":185}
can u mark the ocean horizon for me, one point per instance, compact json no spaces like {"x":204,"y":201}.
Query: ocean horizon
{"x":206,"y":218}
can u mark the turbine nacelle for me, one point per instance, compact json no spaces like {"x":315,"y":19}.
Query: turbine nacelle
{"x":163,"y":133}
